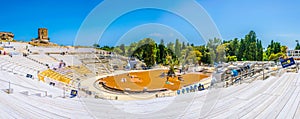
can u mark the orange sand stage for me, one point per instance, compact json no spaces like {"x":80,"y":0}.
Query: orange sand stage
{"x":152,"y":80}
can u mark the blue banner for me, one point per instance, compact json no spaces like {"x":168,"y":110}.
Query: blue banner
{"x":287,"y":62}
{"x":73,"y":93}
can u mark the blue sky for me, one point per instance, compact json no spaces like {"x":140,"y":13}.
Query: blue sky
{"x":270,"y":19}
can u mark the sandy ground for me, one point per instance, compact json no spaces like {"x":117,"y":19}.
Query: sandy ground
{"x":141,"y":79}
{"x":138,"y":81}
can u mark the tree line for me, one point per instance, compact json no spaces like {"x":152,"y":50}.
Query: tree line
{"x":249,"y":48}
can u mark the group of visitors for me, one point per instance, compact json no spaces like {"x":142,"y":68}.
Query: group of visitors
{"x":62,"y":64}
{"x":3,"y":52}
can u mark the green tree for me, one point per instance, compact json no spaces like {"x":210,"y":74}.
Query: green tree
{"x":220,"y":53}
{"x":146,"y":51}
{"x":107,"y":48}
{"x":265,"y":57}
{"x":252,"y":51}
{"x":212,"y":46}
{"x":233,"y":47}
{"x":251,"y":47}
{"x":231,"y":58}
{"x":297,"y":46}
{"x":171,"y":61}
{"x":183,"y":46}
{"x":170,"y":46}
{"x":283,"y":49}
{"x":191,"y":56}
{"x":274,"y":48}
{"x":96,"y":45}
{"x":205,"y":58}
{"x":241,"y":50}
{"x":161,"y":52}
{"x":198,"y":56}
{"x":260,"y":51}
{"x":277,"y":48}
{"x":275,"y":57}
{"x":118,"y":50}
{"x":177,"y":48}
{"x":122,"y":48}
{"x":131,"y":49}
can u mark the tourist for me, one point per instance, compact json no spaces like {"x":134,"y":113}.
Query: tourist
{"x":123,"y":80}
